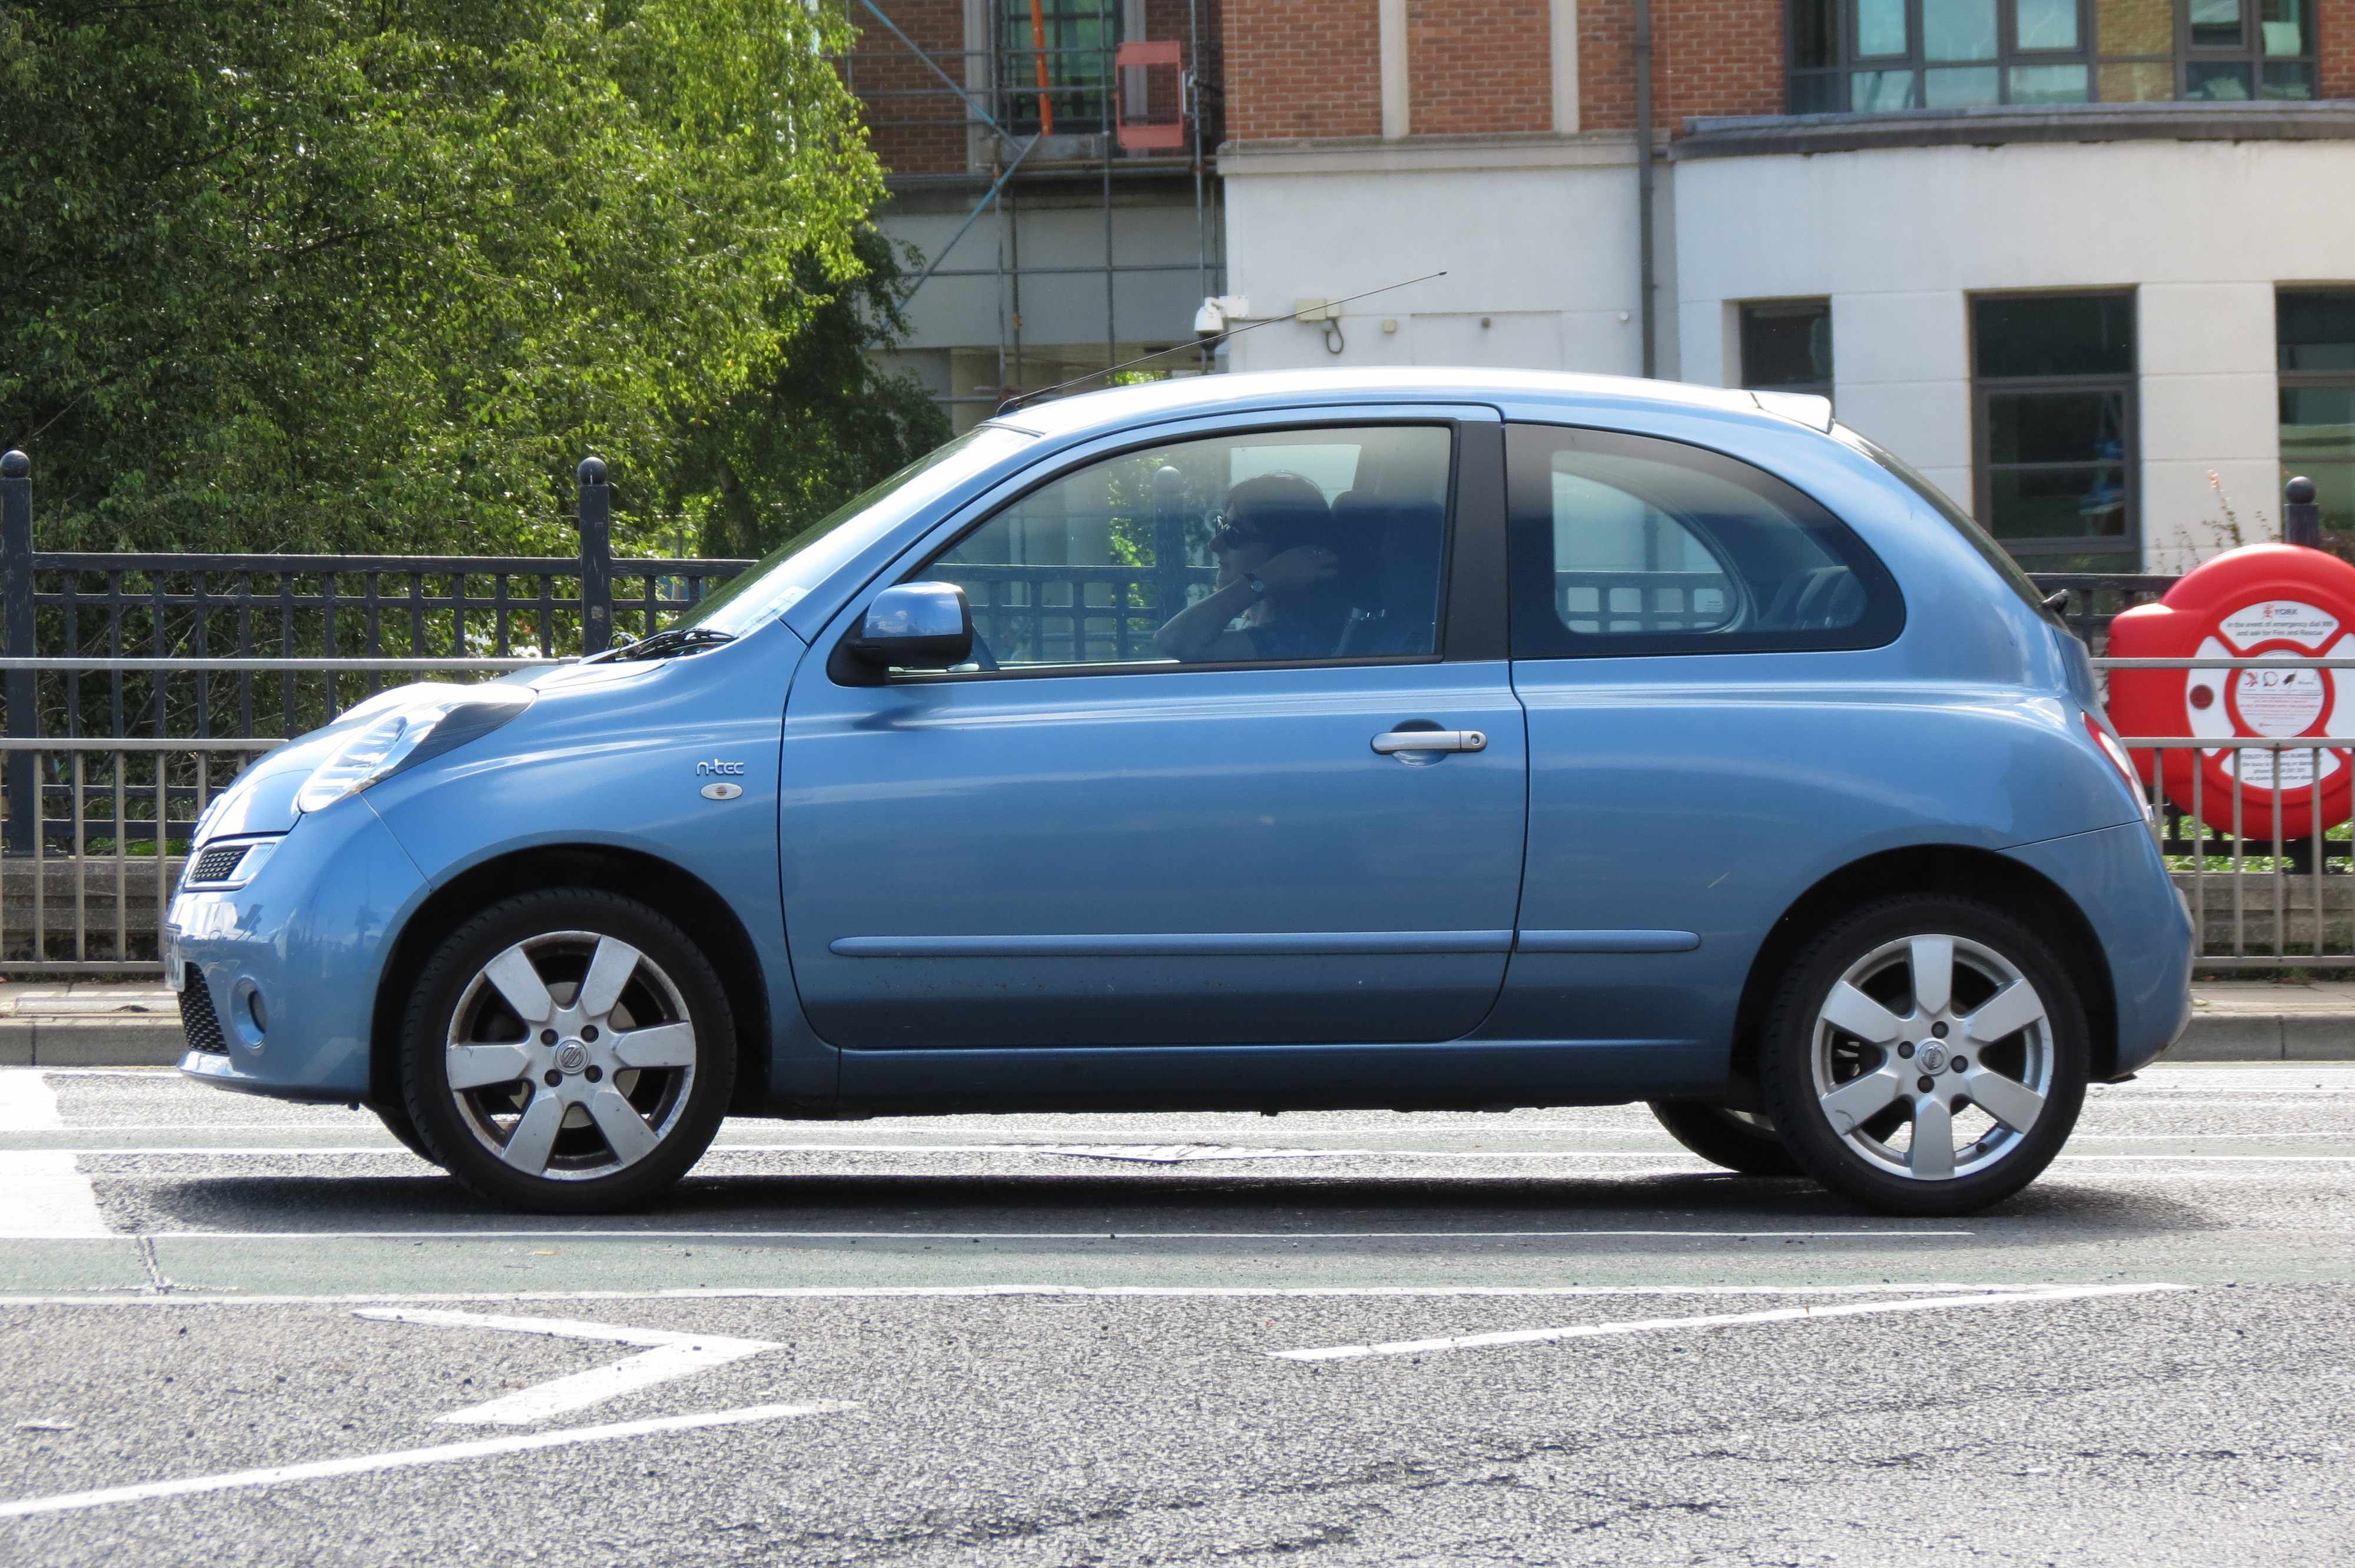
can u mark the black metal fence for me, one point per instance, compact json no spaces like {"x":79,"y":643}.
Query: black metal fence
{"x":189,"y":656}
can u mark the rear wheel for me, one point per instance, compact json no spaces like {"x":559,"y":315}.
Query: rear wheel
{"x":1742,"y":1141}
{"x":1926,"y":1055}
{"x":568,"y":1051}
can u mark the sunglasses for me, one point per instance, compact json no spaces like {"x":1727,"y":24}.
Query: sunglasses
{"x":1233,"y":538}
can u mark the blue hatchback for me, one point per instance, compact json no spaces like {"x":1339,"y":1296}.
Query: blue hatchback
{"x":1438,"y":740}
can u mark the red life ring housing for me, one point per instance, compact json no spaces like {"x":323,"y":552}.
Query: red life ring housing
{"x":2264,"y":601}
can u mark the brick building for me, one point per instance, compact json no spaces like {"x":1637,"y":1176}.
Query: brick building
{"x":1066,"y":200}
{"x":2086,"y":262}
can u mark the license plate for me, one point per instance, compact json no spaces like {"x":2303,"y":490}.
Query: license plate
{"x":176,"y":973}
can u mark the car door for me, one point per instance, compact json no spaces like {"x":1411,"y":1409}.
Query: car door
{"x":1309,"y":830}
{"x":1686,"y":634}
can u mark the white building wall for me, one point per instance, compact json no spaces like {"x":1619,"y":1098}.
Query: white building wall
{"x":2204,"y":231}
{"x":1536,"y":236}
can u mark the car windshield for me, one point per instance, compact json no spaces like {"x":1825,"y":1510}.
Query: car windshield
{"x":1961,"y":523}
{"x":774,"y":584}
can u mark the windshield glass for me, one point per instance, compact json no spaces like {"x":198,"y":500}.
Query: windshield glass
{"x":774,"y":584}
{"x":1978,"y":538}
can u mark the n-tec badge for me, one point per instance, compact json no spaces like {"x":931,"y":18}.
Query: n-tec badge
{"x":718,"y":769}
{"x":722,"y":791}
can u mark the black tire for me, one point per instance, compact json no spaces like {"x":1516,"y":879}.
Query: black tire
{"x":396,"y":1122}
{"x":1857,"y":1162}
{"x":1723,"y":1139}
{"x":683,"y":1105}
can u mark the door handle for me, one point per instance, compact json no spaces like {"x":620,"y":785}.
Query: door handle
{"x":1399,"y":740}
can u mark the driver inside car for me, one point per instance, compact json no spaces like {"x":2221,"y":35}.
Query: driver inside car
{"x":1279,"y":593}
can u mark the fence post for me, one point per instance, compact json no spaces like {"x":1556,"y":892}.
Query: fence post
{"x":1168,"y":542}
{"x":596,"y":520}
{"x":2302,"y":516}
{"x":22,"y":784}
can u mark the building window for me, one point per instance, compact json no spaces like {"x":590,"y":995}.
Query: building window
{"x":2316,"y":333}
{"x":1867,"y":57}
{"x":2052,"y":385}
{"x":1079,"y":38}
{"x":1787,"y":347}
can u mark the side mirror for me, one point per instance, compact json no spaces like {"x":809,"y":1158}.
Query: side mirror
{"x":915,"y":625}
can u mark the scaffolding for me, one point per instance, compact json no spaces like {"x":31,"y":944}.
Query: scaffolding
{"x":1039,"y":120}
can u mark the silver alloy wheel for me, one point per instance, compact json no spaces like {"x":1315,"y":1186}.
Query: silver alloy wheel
{"x":1933,"y":1058}
{"x":570,"y":1056}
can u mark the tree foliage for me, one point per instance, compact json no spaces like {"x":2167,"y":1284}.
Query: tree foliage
{"x":374,"y":274}
{"x":821,"y":425}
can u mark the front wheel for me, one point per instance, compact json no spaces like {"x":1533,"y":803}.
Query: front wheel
{"x":570,"y":1051}
{"x":1926,"y":1055}
{"x":1740,"y":1141}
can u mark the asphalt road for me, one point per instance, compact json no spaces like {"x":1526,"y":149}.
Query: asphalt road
{"x":237,"y":1331}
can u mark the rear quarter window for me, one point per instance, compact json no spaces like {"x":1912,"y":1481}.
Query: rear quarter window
{"x":1629,"y":544}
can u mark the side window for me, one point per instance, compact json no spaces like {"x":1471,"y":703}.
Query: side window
{"x":1268,"y":547}
{"x":1630,"y":544}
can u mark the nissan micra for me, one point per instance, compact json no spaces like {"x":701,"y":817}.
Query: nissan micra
{"x":1424,"y":740}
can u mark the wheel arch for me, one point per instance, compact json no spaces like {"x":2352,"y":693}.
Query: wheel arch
{"x":2019,"y":890}
{"x":679,"y":895}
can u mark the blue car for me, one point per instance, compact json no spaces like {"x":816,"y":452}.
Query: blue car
{"x":1429,"y":741}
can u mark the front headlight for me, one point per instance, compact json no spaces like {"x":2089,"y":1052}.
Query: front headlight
{"x":429,"y":721}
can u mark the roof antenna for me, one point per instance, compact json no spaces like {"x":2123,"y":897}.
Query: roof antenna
{"x":1018,"y":398}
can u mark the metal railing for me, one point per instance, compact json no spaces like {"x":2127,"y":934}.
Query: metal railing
{"x":2282,"y":901}
{"x":251,"y":649}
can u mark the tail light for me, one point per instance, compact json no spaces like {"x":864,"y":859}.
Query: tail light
{"x":2124,"y":764}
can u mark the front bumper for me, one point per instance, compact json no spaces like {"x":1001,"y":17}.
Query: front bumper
{"x":2121,"y":884}
{"x":309,"y":937}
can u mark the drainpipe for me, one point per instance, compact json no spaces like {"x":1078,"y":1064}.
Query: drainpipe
{"x":1644,"y":178}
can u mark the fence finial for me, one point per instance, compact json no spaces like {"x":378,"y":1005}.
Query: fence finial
{"x":15,"y":464}
{"x":593,"y":471}
{"x":2301,"y":517}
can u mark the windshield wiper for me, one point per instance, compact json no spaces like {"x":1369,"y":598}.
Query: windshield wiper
{"x":664,"y":645}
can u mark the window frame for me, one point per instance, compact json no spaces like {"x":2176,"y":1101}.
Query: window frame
{"x":1472,"y":564}
{"x":2250,"y":51}
{"x":1017,"y":87}
{"x":1539,"y":632}
{"x":2287,"y":380}
{"x":1801,"y":305}
{"x":2179,"y":57}
{"x":2008,"y":55}
{"x":1983,"y":388}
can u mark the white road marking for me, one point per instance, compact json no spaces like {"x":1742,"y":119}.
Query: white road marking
{"x":26,"y":1102}
{"x":672,"y":1355}
{"x":1166,"y":1154}
{"x":1717,"y":1320}
{"x":406,"y":1459}
{"x":553,"y":1233}
{"x":894,"y":1292}
{"x":49,"y":1197}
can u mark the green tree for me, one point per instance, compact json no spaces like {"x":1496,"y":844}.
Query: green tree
{"x":819,"y":425}
{"x":372,"y":274}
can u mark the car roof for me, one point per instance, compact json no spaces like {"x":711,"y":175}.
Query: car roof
{"x":1181,"y":396}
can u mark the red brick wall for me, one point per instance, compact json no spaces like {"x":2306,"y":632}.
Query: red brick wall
{"x":2335,"y":22}
{"x":1709,"y":56}
{"x":1313,"y":68}
{"x":1302,"y":67}
{"x":881,"y":63}
{"x":1478,"y":66}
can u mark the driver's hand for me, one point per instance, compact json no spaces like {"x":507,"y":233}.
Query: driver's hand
{"x":1300,"y":566}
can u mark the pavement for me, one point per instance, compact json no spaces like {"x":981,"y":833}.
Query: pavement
{"x":110,"y":1023}
{"x":238,"y":1330}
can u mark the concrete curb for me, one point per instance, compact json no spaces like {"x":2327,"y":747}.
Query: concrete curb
{"x":2224,"y":1036}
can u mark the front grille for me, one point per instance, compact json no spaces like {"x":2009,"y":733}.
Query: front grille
{"x":197,"y":1020}
{"x":218,"y":863}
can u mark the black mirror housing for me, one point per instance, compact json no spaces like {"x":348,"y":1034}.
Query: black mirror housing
{"x":914,"y":626}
